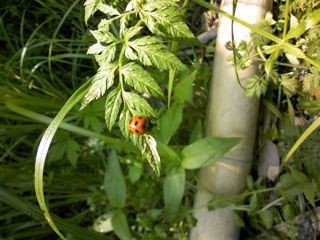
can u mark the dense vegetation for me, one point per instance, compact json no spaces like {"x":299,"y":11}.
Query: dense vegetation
{"x":102,"y":182}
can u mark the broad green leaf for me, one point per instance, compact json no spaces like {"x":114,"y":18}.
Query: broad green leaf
{"x":309,"y":190}
{"x":167,"y":153}
{"x":267,"y":218}
{"x":197,"y":132}
{"x":151,"y":51}
{"x":140,"y":79}
{"x":135,"y":172}
{"x":124,"y":121}
{"x":170,"y":122}
{"x":253,"y":202}
{"x":112,"y":107}
{"x":151,"y":153}
{"x":101,"y":82}
{"x":299,"y":176}
{"x":137,"y":105}
{"x":90,"y":7}
{"x":114,"y":183}
{"x":107,"y":9}
{"x":206,"y":151}
{"x":173,"y":188}
{"x":183,"y":90}
{"x":163,"y":18}
{"x":120,"y":225}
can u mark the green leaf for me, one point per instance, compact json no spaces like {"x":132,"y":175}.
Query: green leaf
{"x":124,"y":121}
{"x":197,"y":132}
{"x":90,"y":7}
{"x":206,"y":151}
{"x":151,"y":153}
{"x":136,"y":77}
{"x":151,"y":51}
{"x":267,"y":218}
{"x":112,"y":108}
{"x":114,"y":183}
{"x":137,"y":105}
{"x":106,"y":9}
{"x":101,"y":82}
{"x":256,"y":86}
{"x":120,"y":226}
{"x":238,"y":220}
{"x":43,"y":150}
{"x":296,"y":31}
{"x":183,"y":90}
{"x":103,"y":36}
{"x":131,"y":32}
{"x":173,"y":188}
{"x":163,"y":18}
{"x":299,"y":176}
{"x":269,"y":64}
{"x":170,"y":122}
{"x":107,"y":54}
{"x":253,"y":202}
{"x":73,"y":152}
{"x":135,"y":172}
{"x":309,"y":190}
{"x":96,"y":48}
{"x":313,"y":19}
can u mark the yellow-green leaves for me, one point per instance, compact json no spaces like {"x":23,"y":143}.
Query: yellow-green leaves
{"x":102,"y":81}
{"x":139,"y":79}
{"x":162,"y":17}
{"x":151,"y":52}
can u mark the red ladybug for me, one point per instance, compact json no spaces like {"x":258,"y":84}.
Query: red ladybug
{"x":139,"y":125}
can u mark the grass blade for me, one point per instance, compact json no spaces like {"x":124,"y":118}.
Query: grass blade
{"x":43,"y":150}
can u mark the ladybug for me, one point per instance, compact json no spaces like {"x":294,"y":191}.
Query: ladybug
{"x":139,"y":125}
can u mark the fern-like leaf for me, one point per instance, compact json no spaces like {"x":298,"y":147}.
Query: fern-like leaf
{"x":138,"y":78}
{"x":151,"y":153}
{"x":90,"y":7}
{"x":112,"y":108}
{"x":151,"y":51}
{"x":107,"y":54}
{"x":137,"y":105}
{"x":106,"y":9}
{"x":101,"y":82}
{"x":163,"y":18}
{"x":124,"y":121}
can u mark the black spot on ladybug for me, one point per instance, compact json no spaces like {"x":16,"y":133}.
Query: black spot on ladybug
{"x":140,"y":117}
{"x":144,"y":126}
{"x":137,"y":131}
{"x":136,"y":123}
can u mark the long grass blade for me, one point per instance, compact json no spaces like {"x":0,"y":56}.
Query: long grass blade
{"x":43,"y":150}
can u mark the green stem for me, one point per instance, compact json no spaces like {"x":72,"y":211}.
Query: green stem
{"x":286,"y":19}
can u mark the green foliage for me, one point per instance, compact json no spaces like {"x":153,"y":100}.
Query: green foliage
{"x":120,"y":57}
{"x":206,"y":151}
{"x":114,"y":183}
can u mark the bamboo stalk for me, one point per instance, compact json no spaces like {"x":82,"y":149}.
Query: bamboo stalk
{"x":230,"y":114}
